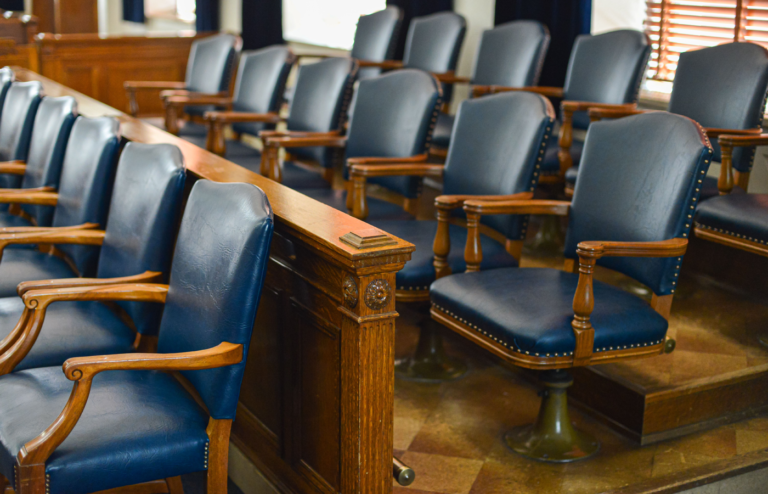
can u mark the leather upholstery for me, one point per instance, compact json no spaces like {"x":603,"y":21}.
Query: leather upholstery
{"x":8,"y":219}
{"x":639,"y":180}
{"x":29,"y":264}
{"x":530,"y":310}
{"x":71,"y":329}
{"x":260,"y":85}
{"x":137,"y":427}
{"x":6,"y":78}
{"x":50,"y":134}
{"x":16,"y":121}
{"x":143,"y":215}
{"x":443,"y":129}
{"x":209,"y":68}
{"x":706,"y":90}
{"x":85,"y":186}
{"x":376,"y":38}
{"x":419,"y":272}
{"x":550,"y":165}
{"x":606,"y":68}
{"x":216,"y":279}
{"x":318,"y":104}
{"x":393,"y":118}
{"x":744,"y":216}
{"x":495,"y":151}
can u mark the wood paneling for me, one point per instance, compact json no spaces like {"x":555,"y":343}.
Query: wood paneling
{"x":18,"y":27}
{"x":67,"y":16}
{"x":317,"y":405}
{"x":19,"y":55}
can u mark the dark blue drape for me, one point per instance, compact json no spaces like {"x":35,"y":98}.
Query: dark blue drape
{"x":565,"y":19}
{"x":207,"y":13}
{"x":133,"y":10}
{"x":15,"y":5}
{"x":417,"y":8}
{"x":262,"y":23}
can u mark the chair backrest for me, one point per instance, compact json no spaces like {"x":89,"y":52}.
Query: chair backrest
{"x":216,"y":280}
{"x":260,"y":84}
{"x":511,"y":54}
{"x":495,"y":150}
{"x":639,"y":180}
{"x":723,"y":87}
{"x":143,"y":216}
{"x":434,"y":42}
{"x":50,"y":134}
{"x":319,"y":103}
{"x":394,"y":117}
{"x":606,"y":68}
{"x":85,"y":186}
{"x":17,"y":119}
{"x":6,"y":78}
{"x":210,"y":64}
{"x":376,"y":38}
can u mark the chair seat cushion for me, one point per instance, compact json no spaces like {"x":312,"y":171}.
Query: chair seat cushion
{"x":71,"y":329}
{"x":739,"y":215}
{"x":27,"y":265}
{"x":441,"y":136}
{"x":419,"y":272}
{"x":136,"y":427}
{"x":530,"y":310}
{"x":550,"y":165}
{"x":377,"y":209}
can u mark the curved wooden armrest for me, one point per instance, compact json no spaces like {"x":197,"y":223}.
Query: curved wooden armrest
{"x":54,"y":236}
{"x":451,"y":78}
{"x":42,"y":229}
{"x":362,"y":167}
{"x":198,"y":100}
{"x":550,"y":92}
{"x":153,"y":85}
{"x":237,"y":116}
{"x":184,"y":93}
{"x":384,"y":160}
{"x":145,"y":277}
{"x":16,"y":167}
{"x":319,"y":139}
{"x":533,"y":206}
{"x":397,"y":169}
{"x":269,"y":134}
{"x":597,"y":114}
{"x":731,"y":138}
{"x":574,"y":106}
{"x":449,"y":202}
{"x":673,"y":247}
{"x":24,"y":196}
{"x":713,"y":133}
{"x":81,"y":370}
{"x":299,"y":56}
{"x":385,"y":64}
{"x":27,"y":191}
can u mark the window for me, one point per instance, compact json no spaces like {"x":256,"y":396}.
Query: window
{"x":330,"y":23}
{"x":183,"y":10}
{"x":676,"y":26}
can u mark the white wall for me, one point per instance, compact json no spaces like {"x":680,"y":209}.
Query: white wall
{"x":609,"y":15}
{"x":479,"y":15}
{"x":111,"y":19}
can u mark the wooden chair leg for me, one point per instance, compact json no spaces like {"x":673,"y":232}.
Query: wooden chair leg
{"x":174,"y":485}
{"x":218,"y":455}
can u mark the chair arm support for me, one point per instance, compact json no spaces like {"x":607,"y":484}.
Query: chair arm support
{"x":386,"y":160}
{"x":13,"y":167}
{"x":574,"y":106}
{"x":584,"y":298}
{"x":533,"y":206}
{"x":145,"y":277}
{"x":363,"y":167}
{"x":729,"y":139}
{"x":548,"y":91}
{"x":319,"y":139}
{"x":200,"y":99}
{"x":82,"y":370}
{"x":396,"y":169}
{"x":450,"y":77}
{"x":448,"y":202}
{"x":385,"y":64}
{"x":269,"y":134}
{"x":713,"y":133}
{"x":153,"y":85}
{"x":24,"y":196}
{"x":183,"y":93}
{"x":597,"y":114}
{"x":44,"y":229}
{"x":53,"y":236}
{"x":273,"y":140}
{"x":225,"y":117}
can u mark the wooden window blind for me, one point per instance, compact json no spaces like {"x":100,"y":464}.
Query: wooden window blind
{"x":676,"y":26}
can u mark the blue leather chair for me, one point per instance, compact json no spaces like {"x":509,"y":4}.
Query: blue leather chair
{"x":706,"y":90}
{"x":258,"y":95}
{"x":6,"y":78}
{"x":81,"y":202}
{"x":135,"y":247}
{"x":391,"y":123}
{"x":604,"y":71}
{"x":494,"y":155}
{"x":42,"y":169}
{"x":510,"y":55}
{"x":632,"y":212}
{"x":145,"y":426}
{"x":376,"y":39}
{"x":209,"y":69}
{"x":16,"y":122}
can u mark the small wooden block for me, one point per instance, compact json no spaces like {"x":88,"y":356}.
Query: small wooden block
{"x":367,"y":239}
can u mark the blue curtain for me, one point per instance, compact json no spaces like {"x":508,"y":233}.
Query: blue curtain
{"x":262,"y":23}
{"x":207,"y":13}
{"x":133,"y":10}
{"x":418,"y":8}
{"x":14,"y":5}
{"x":565,"y":19}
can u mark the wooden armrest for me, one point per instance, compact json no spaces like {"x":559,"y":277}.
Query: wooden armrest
{"x":729,"y":139}
{"x":384,"y":160}
{"x":362,"y":167}
{"x":533,"y":206}
{"x":184,"y":93}
{"x":299,"y":56}
{"x":448,"y":202}
{"x":397,"y":169}
{"x":24,"y":196}
{"x":198,"y":100}
{"x":749,"y":140}
{"x":574,"y":106}
{"x":550,"y":92}
{"x":596,"y":114}
{"x":713,"y":133}
{"x":153,"y":85}
{"x":145,"y":277}
{"x":236,"y":116}
{"x":584,"y":299}
{"x":386,"y":64}
{"x":13,"y":169}
{"x":451,"y":78}
{"x":319,"y":139}
{"x":35,"y":229}
{"x":54,"y":236}
{"x":81,"y":370}
{"x":268,"y":134}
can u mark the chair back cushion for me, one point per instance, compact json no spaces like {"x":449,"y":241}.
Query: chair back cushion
{"x":393,"y":117}
{"x":50,"y":134}
{"x":143,"y":216}
{"x":85,"y":186}
{"x":707,"y":90}
{"x":606,"y":68}
{"x":210,"y":63}
{"x":319,"y":103}
{"x":495,"y":150}
{"x":216,"y":279}
{"x":6,"y":78}
{"x":260,"y":84}
{"x":376,"y":38}
{"x":16,"y":123}
{"x":639,"y":180}
{"x":511,"y":54}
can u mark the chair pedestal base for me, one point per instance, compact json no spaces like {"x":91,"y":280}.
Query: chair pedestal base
{"x":430,"y":363}
{"x":552,"y":438}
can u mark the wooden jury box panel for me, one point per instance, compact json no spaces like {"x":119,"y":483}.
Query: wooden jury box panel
{"x":98,"y":67}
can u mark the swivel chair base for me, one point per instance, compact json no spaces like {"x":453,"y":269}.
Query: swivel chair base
{"x":552,"y":438}
{"x":430,"y":362}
